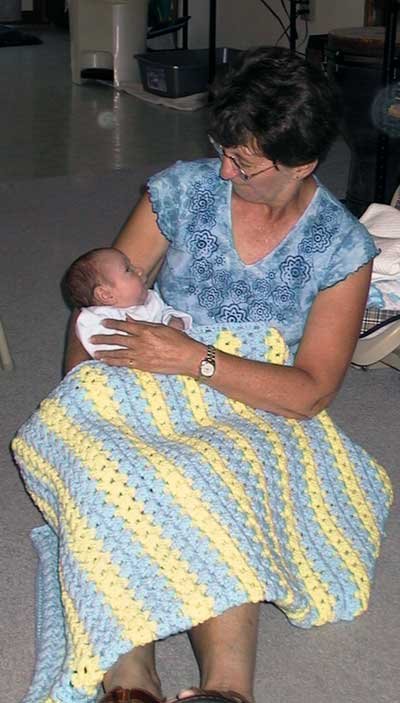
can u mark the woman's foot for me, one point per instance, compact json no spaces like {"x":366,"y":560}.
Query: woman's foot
{"x":136,"y":669}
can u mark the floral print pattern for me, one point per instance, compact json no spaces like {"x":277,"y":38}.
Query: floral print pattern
{"x":204,"y":274}
{"x":295,"y":271}
{"x":203,"y":243}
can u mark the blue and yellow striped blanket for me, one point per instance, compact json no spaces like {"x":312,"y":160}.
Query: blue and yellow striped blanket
{"x":167,"y":503}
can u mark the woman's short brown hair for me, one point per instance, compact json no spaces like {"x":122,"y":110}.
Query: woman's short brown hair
{"x":280,"y":102}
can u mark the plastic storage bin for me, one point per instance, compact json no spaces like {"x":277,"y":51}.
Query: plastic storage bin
{"x":179,"y":72}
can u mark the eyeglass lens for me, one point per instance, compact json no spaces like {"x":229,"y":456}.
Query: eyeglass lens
{"x":221,"y":153}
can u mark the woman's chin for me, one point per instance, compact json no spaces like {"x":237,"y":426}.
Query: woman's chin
{"x":245,"y":192}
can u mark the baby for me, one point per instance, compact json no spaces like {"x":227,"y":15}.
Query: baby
{"x":105,"y":284}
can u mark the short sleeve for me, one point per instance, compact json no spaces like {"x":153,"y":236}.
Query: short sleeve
{"x":352,"y":247}
{"x":165,"y":192}
{"x":182,"y":192}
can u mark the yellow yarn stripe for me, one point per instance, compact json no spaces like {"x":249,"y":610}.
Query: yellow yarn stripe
{"x":88,"y":550}
{"x":86,"y":672}
{"x":317,"y":589}
{"x":385,"y":480}
{"x":198,"y":407}
{"x":110,"y":479}
{"x":188,"y":498}
{"x":353,"y":488}
{"x":85,"y":658}
{"x":195,"y":394}
{"x":276,"y":352}
{"x":315,"y":586}
{"x":328,"y":522}
{"x":160,"y":413}
{"x":276,"y":348}
{"x":324,"y":602}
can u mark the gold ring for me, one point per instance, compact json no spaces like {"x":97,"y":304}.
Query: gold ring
{"x":130,"y":363}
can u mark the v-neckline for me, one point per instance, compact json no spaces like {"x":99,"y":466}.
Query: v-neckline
{"x":290,"y":232}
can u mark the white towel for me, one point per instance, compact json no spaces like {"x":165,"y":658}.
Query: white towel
{"x":387,"y":264}
{"x":383,"y":222}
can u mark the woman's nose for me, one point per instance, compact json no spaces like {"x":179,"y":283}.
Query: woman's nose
{"x":228,"y":168}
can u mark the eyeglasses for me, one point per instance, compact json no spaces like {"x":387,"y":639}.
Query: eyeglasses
{"x":242,"y":173}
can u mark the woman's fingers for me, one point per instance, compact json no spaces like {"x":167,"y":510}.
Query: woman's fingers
{"x":148,"y":346}
{"x":120,"y":340}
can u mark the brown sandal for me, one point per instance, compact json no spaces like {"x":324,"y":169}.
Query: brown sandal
{"x":129,"y":695}
{"x":208,"y":696}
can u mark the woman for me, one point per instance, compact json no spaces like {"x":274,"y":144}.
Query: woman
{"x":252,"y":237}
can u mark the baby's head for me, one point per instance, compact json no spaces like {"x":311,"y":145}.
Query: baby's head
{"x":104,"y":277}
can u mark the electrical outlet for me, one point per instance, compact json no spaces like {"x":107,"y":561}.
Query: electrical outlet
{"x":306,"y":10}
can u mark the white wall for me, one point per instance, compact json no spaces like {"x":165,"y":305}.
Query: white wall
{"x":337,"y":14}
{"x":244,"y":23}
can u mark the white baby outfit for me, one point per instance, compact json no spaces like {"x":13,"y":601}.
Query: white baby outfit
{"x":153,"y":310}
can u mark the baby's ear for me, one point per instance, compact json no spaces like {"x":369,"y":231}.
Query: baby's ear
{"x":104,"y":295}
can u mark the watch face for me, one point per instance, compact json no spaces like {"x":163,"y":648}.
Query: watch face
{"x":207,"y":369}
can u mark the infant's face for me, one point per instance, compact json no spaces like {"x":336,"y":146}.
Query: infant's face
{"x":128,"y":282}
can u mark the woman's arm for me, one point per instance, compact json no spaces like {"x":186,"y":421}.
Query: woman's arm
{"x":141,"y":240}
{"x":300,"y":391}
{"x":74,"y":351}
{"x":322,"y":360}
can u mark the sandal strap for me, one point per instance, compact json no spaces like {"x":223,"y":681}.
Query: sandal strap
{"x":212,"y":696}
{"x":129,"y":695}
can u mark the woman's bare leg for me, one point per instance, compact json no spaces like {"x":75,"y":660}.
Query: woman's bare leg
{"x":225,"y":648}
{"x":136,"y":669}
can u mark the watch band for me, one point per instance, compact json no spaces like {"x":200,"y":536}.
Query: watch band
{"x":207,"y":365}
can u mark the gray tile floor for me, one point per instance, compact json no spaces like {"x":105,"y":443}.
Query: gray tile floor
{"x":50,"y":127}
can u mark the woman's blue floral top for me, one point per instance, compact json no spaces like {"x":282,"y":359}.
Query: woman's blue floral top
{"x":203,"y":274}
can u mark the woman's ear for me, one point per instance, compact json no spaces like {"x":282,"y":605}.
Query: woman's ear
{"x":103,"y":295}
{"x":301,"y":172}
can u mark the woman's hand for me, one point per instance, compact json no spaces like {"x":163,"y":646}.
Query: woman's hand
{"x":149,"y":346}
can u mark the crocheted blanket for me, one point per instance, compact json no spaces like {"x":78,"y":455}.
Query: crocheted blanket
{"x":167,"y":503}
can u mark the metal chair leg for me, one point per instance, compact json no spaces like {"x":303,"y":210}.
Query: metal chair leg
{"x":5,"y":355}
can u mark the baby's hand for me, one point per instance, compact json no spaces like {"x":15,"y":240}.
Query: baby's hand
{"x":176,"y":322}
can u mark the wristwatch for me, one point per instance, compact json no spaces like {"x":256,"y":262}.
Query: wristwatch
{"x":207,"y":366}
